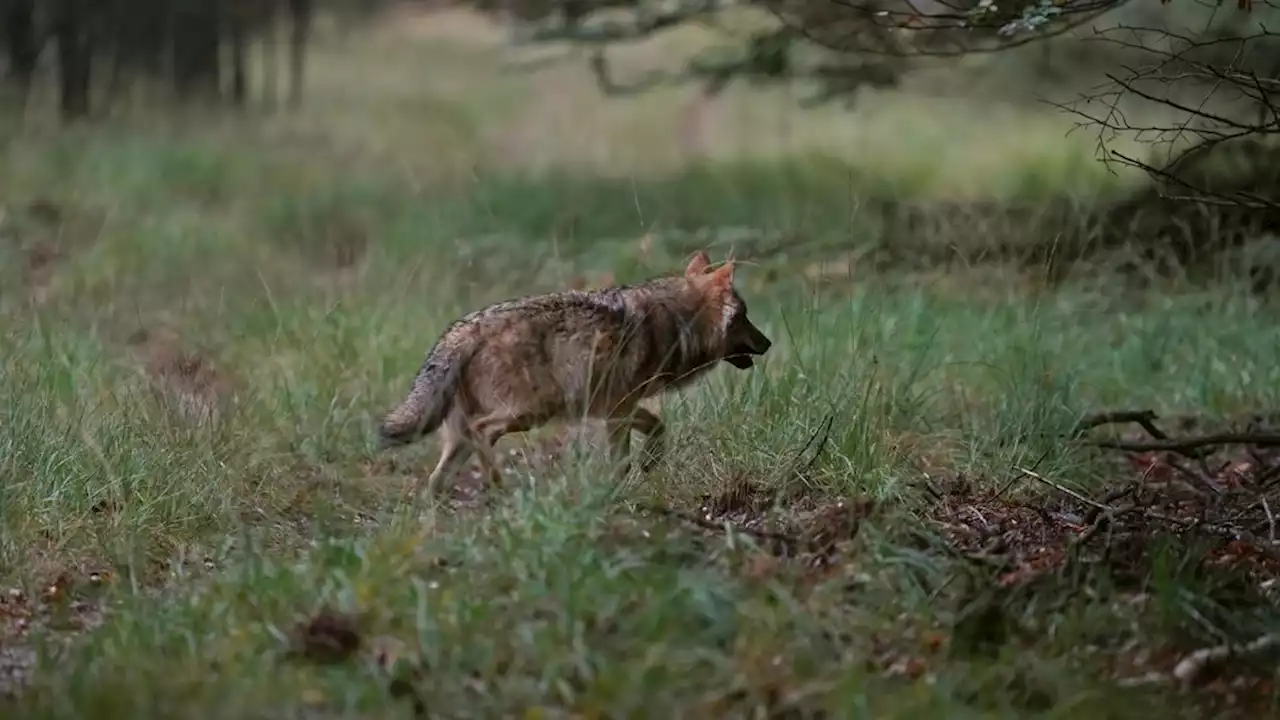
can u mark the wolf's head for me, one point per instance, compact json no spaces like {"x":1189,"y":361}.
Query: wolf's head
{"x":740,"y":339}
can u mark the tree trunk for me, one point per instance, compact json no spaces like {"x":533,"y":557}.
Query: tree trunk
{"x":196,"y":45}
{"x":237,"y":29}
{"x":271,"y":56}
{"x":20,"y":37}
{"x":75,"y":57}
{"x":143,"y":47}
{"x":302,"y":13}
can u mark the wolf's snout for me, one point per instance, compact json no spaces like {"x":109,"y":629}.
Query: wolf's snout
{"x":751,"y":342}
{"x":758,"y":344}
{"x":764,"y":345}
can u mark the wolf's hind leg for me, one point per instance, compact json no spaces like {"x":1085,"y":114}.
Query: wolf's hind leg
{"x":455,"y":450}
{"x":488,"y":430}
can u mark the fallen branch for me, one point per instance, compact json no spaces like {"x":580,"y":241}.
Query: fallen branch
{"x":1187,"y":446}
{"x":1144,"y":418}
{"x":1192,"y":447}
{"x":1193,"y":666}
{"x":1228,"y":531}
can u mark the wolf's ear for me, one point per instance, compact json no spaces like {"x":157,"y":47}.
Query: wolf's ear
{"x":698,"y":264}
{"x":722,"y":277}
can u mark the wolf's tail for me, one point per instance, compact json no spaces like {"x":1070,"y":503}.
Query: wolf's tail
{"x":432,"y":394}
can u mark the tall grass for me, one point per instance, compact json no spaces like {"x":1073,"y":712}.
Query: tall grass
{"x":294,"y":291}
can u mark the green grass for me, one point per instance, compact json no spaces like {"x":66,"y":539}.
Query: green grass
{"x":310,"y":283}
{"x":556,"y":596}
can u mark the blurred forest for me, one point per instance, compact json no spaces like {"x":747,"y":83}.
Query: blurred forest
{"x":98,"y":49}
{"x":1213,"y":69}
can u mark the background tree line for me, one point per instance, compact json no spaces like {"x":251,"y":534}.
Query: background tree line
{"x":1208,"y":69}
{"x":1214,"y":68}
{"x":199,"y":49}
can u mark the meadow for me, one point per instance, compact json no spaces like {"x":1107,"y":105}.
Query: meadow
{"x":897,"y":513}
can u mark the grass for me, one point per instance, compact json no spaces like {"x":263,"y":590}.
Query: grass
{"x":200,"y":340}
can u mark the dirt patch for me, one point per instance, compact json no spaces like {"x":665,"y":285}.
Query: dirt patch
{"x":981,"y":524}
{"x":183,"y":379}
{"x":45,"y":235}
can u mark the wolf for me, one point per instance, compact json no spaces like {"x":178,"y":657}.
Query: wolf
{"x":561,"y":356}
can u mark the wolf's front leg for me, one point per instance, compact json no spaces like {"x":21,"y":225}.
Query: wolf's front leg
{"x":655,"y":436}
{"x":620,"y":446}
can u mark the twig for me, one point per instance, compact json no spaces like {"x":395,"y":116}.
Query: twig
{"x":1198,"y":479}
{"x":985,"y":525}
{"x":1144,"y":418}
{"x":1103,"y":514}
{"x":1201,"y":193}
{"x":1005,"y":488}
{"x":1235,"y":533}
{"x":1271,"y":521}
{"x":1268,"y":478}
{"x":1100,"y":521}
{"x":1092,"y":516}
{"x":1066,"y":490}
{"x":817,"y":440}
{"x":1192,"y":666}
